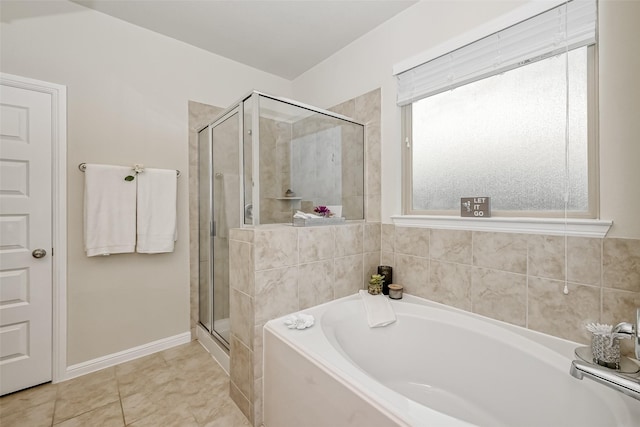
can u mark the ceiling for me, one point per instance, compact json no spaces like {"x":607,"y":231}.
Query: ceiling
{"x":285,"y":38}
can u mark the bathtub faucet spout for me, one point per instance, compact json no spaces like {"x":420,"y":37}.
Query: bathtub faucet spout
{"x":628,"y":384}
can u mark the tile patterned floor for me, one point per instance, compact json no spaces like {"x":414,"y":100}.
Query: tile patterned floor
{"x":182,"y":387}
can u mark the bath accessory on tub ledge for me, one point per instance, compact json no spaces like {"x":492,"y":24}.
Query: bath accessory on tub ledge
{"x":378,"y":309}
{"x":395,"y":291}
{"x":387,"y":272}
{"x":299,"y":321}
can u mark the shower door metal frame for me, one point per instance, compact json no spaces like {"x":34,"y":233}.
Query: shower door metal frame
{"x":226,"y":115}
{"x":254,"y":99}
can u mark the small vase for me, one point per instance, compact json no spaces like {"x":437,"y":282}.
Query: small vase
{"x":375,"y":289}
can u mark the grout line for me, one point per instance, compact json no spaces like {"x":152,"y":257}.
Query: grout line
{"x":124,"y":421}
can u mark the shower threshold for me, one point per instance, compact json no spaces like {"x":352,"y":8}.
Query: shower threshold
{"x":214,"y":347}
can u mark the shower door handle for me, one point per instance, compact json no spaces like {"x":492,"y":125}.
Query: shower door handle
{"x":212,"y":228}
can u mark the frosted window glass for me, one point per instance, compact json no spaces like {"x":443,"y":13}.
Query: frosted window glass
{"x":504,"y":137}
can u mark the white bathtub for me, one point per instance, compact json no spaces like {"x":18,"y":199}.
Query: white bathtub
{"x":435,"y":366}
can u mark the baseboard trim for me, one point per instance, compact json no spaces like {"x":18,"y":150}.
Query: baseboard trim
{"x":128,"y":355}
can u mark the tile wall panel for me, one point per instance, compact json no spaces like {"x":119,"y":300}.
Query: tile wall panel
{"x":520,"y":278}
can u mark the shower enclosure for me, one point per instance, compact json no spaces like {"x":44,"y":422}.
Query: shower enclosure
{"x":260,"y":161}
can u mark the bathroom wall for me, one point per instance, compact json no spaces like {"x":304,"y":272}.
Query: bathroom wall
{"x":367,"y":63}
{"x":519,"y":278}
{"x":364,"y":108}
{"x":513,"y":277}
{"x":128,"y":91}
{"x":277,"y":269}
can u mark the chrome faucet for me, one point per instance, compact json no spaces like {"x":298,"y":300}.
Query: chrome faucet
{"x":628,"y":384}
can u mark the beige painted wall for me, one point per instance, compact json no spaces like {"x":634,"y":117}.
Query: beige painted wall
{"x":619,"y":116}
{"x":367,"y":63}
{"x":128,"y":93}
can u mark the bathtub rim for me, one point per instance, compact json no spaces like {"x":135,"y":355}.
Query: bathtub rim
{"x":306,"y":343}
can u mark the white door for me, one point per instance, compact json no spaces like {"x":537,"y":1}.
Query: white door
{"x":25,"y":238}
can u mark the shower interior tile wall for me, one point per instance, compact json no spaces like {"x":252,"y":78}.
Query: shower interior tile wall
{"x":290,"y":153}
{"x":275,"y":170}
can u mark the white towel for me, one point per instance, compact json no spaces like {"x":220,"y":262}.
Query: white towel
{"x":109,"y":210}
{"x":379,"y":310}
{"x":157,"y":225}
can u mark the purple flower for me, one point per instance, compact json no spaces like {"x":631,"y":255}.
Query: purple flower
{"x":322,"y":210}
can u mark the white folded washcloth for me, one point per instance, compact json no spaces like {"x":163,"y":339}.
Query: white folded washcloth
{"x":299,"y":321}
{"x":109,"y":210}
{"x":379,"y":310}
{"x":300,"y":214}
{"x":157,"y":218}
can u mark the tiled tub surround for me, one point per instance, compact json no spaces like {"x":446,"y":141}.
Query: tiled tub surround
{"x":279,"y":269}
{"x":519,"y":278}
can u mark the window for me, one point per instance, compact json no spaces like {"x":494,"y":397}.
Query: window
{"x":512,"y":133}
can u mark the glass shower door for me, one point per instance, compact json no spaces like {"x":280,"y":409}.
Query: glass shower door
{"x":223,"y":212}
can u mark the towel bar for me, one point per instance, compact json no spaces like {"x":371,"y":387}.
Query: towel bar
{"x":83,"y":167}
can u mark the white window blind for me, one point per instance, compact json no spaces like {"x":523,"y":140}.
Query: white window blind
{"x":568,"y":26}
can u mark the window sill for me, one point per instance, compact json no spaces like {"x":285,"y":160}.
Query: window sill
{"x":550,"y":226}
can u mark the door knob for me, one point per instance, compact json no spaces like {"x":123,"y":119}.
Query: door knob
{"x":38,"y":253}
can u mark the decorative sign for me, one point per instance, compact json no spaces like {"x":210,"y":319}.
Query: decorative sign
{"x":477,"y":207}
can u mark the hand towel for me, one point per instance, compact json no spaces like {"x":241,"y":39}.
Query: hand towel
{"x":109,"y":210}
{"x":157,"y":218}
{"x":378,"y":308}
